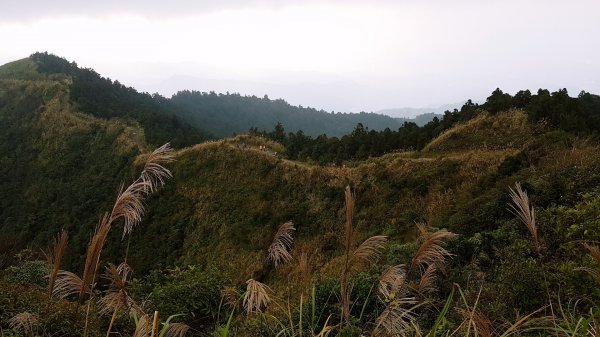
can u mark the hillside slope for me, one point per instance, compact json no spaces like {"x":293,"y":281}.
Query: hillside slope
{"x":59,"y":168}
{"x":230,"y":196}
{"x":509,"y":129}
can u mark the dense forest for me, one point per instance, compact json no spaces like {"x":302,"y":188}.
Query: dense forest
{"x":484,"y":222}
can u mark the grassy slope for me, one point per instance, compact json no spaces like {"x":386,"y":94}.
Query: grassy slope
{"x":227,"y":200}
{"x":506,"y":130}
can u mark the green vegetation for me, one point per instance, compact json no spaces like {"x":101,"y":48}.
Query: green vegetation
{"x":431,"y":243}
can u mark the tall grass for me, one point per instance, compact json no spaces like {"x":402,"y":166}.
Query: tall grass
{"x":355,"y":258}
{"x":54,"y":257}
{"x":523,"y":209}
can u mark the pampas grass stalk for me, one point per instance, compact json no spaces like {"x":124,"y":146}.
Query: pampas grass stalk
{"x":54,"y":256}
{"x":355,"y":258}
{"x":154,"y":325}
{"x":279,"y":250}
{"x":431,"y":250}
{"x":522,"y":208}
{"x":24,"y":322}
{"x":256,"y":297}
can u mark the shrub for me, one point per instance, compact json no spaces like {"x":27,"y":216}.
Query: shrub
{"x":193,"y":292}
{"x":56,"y":317}
{"x":28,"y":272}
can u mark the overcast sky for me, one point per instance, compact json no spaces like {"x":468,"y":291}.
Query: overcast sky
{"x":334,"y":55}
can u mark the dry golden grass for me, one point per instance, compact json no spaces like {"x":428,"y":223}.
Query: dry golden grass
{"x":392,"y":281}
{"x":308,"y":265}
{"x":176,"y":330}
{"x":279,"y":250}
{"x":59,"y":119}
{"x":476,"y":163}
{"x":113,"y":302}
{"x":143,"y":326}
{"x":54,"y":257}
{"x":396,"y":319}
{"x":523,"y":209}
{"x":431,"y":250}
{"x":367,"y":252}
{"x":436,"y":201}
{"x":151,"y":327}
{"x":231,"y":297}
{"x":92,"y":259}
{"x":129,"y":205}
{"x":253,"y":142}
{"x":154,"y":173}
{"x":475,"y":322}
{"x":68,"y":284}
{"x":582,"y":152}
{"x":24,"y":322}
{"x":594,"y":252}
{"x":129,"y":209}
{"x":116,"y":297}
{"x":304,"y":266}
{"x":256,"y":298}
{"x":349,"y":205}
{"x":426,"y":282}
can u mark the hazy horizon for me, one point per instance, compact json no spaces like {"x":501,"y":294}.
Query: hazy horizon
{"x":331,"y":55}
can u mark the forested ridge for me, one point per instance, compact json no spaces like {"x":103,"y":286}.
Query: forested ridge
{"x":484,"y":222}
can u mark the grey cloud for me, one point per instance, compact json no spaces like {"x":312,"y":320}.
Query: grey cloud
{"x":27,"y":10}
{"x":39,"y":9}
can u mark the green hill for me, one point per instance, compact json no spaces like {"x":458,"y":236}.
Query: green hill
{"x":508,"y":129}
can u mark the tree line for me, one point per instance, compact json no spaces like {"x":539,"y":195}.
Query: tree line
{"x":579,"y":115}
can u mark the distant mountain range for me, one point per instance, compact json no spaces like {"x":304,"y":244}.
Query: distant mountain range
{"x":408,"y":112}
